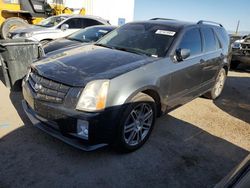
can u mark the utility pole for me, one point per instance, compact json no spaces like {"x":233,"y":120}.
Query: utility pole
{"x":237,"y":28}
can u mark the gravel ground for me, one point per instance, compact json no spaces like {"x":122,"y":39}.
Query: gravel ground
{"x":195,"y":145}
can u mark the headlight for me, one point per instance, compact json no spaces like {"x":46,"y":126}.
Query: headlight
{"x":236,"y":45}
{"x":26,"y":77}
{"x":28,"y":74}
{"x":26,"y":35}
{"x":15,"y":36}
{"x":94,"y":96}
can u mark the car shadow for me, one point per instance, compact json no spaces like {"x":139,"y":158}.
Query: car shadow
{"x":242,"y":68}
{"x":178,"y":154}
{"x":235,"y":99}
{"x":1,"y":75}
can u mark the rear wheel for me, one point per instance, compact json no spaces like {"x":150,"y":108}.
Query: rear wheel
{"x":137,"y":123}
{"x":218,"y":86}
{"x":11,"y":24}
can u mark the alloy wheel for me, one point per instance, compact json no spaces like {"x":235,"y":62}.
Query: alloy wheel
{"x":138,"y":124}
{"x":219,"y":83}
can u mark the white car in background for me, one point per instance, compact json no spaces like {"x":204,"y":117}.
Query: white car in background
{"x":56,"y":27}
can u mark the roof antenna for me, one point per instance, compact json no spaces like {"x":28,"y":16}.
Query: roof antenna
{"x":237,"y":28}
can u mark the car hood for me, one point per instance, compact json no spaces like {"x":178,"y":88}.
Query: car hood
{"x":61,"y":50}
{"x":78,"y":66}
{"x":239,"y":41}
{"x":33,"y":29}
{"x":59,"y":44}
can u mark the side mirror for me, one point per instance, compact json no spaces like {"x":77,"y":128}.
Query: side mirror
{"x":64,"y":27}
{"x":182,"y":54}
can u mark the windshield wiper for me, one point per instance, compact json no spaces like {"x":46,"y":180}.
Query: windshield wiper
{"x":75,"y":39}
{"x":131,"y":50}
{"x":103,"y":45}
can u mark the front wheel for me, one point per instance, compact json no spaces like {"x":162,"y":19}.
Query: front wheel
{"x":137,"y":123}
{"x":218,"y":86}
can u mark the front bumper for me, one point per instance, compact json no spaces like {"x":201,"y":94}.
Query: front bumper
{"x":241,"y":55}
{"x":241,"y":58}
{"x":39,"y":122}
{"x":60,"y":120}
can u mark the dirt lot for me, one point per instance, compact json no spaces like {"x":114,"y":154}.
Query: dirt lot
{"x":194,"y":146}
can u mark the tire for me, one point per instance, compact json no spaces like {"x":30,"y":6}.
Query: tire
{"x":10,"y":24}
{"x":137,"y":123}
{"x":234,"y":64}
{"x":218,"y":86}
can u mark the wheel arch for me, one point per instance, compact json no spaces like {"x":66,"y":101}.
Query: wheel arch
{"x":151,"y":91}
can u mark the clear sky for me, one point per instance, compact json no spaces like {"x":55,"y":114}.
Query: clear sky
{"x":227,"y":12}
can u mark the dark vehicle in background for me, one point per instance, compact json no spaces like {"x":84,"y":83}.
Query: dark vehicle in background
{"x":241,"y":52}
{"x":87,"y":35}
{"x":234,"y":38}
{"x":110,"y":92}
{"x":239,"y":177}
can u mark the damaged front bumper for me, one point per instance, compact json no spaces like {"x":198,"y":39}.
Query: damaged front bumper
{"x":241,"y":58}
{"x":242,"y":54}
{"x":51,"y":129}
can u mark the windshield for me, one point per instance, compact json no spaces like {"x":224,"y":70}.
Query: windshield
{"x":52,"y":21}
{"x":145,"y":38}
{"x":91,"y":34}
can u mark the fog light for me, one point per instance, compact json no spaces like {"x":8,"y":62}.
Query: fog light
{"x":83,"y":128}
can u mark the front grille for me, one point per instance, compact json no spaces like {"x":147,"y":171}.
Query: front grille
{"x":46,"y":89}
{"x":245,"y":46}
{"x":245,"y":49}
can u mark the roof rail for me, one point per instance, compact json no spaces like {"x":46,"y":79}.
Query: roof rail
{"x":161,"y":19}
{"x":209,"y":22}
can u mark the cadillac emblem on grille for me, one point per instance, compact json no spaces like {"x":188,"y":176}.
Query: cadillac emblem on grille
{"x":38,"y":87}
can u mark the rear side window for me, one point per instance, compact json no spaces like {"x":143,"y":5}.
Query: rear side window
{"x":223,"y":37}
{"x":218,"y":44}
{"x":192,"y":41}
{"x":210,"y":44}
{"x":90,"y":22}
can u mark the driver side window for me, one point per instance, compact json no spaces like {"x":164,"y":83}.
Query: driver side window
{"x":74,"y":23}
{"x":191,"y":40}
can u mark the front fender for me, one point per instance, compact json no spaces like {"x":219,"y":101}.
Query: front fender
{"x":142,"y":89}
{"x":126,"y":86}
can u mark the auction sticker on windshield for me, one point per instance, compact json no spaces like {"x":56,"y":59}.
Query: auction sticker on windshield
{"x":103,"y":31}
{"x":165,"y":32}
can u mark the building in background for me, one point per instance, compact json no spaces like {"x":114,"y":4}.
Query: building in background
{"x":117,"y":12}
